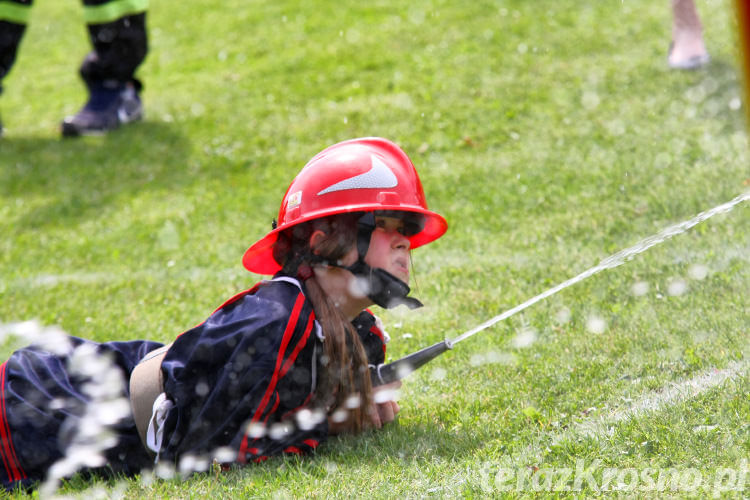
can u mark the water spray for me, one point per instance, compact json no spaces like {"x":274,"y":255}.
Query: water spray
{"x":396,"y":370}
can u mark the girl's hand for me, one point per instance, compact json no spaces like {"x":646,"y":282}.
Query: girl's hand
{"x":385,"y":408}
{"x":382,"y":411}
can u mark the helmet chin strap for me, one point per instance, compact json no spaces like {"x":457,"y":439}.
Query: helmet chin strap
{"x":383,"y":288}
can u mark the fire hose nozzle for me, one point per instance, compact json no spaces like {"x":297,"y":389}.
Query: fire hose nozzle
{"x":396,"y":370}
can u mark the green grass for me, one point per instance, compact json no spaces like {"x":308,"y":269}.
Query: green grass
{"x":549,"y":133}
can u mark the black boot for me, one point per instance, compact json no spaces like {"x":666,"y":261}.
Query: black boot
{"x":110,"y":105}
{"x":114,"y":94}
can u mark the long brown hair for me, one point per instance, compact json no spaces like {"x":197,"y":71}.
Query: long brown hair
{"x":345,"y":365}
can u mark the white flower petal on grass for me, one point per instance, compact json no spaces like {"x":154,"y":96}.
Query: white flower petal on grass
{"x":698,"y":272}
{"x":596,"y":324}
{"x":503,"y":358}
{"x":677,"y":287}
{"x":704,"y":428}
{"x":525,"y":338}
{"x":438,"y":374}
{"x":639,"y":289}
{"x":562,"y":315}
{"x":476,"y":359}
{"x":662,"y":160}
{"x":590,"y":100}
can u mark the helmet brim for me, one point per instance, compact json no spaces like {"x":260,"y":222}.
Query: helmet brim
{"x":259,"y":257}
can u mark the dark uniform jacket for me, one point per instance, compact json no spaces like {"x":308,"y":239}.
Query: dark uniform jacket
{"x":240,"y":383}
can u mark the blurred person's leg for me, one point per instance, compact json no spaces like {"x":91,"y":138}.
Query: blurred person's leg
{"x":14,"y":14}
{"x":687,"y":51}
{"x":117,"y":30}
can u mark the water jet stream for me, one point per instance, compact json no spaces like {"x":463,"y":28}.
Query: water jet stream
{"x":396,"y":370}
{"x":613,"y":260}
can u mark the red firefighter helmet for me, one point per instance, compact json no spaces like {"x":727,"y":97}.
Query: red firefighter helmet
{"x":358,"y":175}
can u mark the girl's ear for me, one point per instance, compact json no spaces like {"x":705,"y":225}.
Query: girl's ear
{"x":316,"y":238}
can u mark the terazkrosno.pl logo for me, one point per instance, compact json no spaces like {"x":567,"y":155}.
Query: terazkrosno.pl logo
{"x":595,"y":477}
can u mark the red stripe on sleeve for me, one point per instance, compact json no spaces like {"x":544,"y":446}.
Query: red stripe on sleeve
{"x":237,"y":297}
{"x":273,"y":408}
{"x":8,"y":451}
{"x":377,"y":332}
{"x":374,"y":329}
{"x":300,"y":345}
{"x":288,"y":332}
{"x":3,"y":449}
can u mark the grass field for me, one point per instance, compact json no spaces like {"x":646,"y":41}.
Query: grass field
{"x":550,"y":134}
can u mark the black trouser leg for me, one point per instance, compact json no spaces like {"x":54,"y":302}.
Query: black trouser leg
{"x":14,"y":15}
{"x":119,"y":47}
{"x":10,"y":38}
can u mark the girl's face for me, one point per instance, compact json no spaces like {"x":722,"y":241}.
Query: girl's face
{"x":389,"y":248}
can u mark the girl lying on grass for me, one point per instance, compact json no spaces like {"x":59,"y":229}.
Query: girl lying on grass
{"x":274,"y":370}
